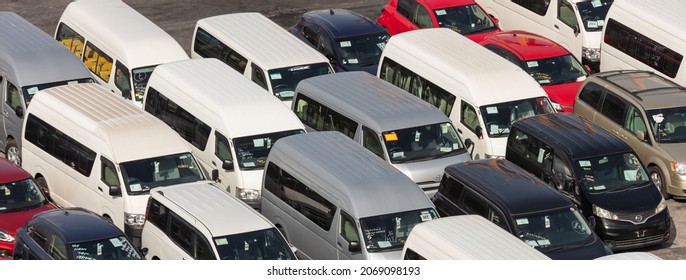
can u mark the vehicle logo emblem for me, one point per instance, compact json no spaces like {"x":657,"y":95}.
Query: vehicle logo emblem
{"x":438,"y":178}
{"x":638,"y":218}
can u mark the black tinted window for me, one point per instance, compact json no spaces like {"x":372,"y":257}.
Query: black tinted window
{"x":614,"y":108}
{"x":591,"y":94}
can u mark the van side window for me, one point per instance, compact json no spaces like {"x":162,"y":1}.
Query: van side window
{"x":412,"y":255}
{"x":422,"y":18}
{"x":473,"y":204}
{"x":311,"y":113}
{"x":539,"y":7}
{"x":157,"y":214}
{"x":122,"y":80}
{"x":97,"y":61}
{"x":70,"y":39}
{"x":634,"y":121}
{"x":187,"y":125}
{"x":271,"y":179}
{"x":181,"y":234}
{"x":258,"y":76}
{"x":108,"y":173}
{"x":517,"y":142}
{"x":235,"y":60}
{"x":56,"y":249}
{"x":417,"y":85}
{"x":221,"y":147}
{"x":592,"y":93}
{"x":324,"y":45}
{"x":469,"y":118}
{"x":565,"y":13}
{"x":13,"y":98}
{"x":306,"y":201}
{"x":497,"y":218}
{"x":370,"y":140}
{"x":348,"y":228}
{"x":59,"y":145}
{"x":207,"y":45}
{"x":614,"y":108}
{"x":642,"y":48}
{"x":561,"y":172}
{"x":451,"y":188}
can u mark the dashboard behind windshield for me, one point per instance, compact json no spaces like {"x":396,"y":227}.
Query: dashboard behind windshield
{"x":143,"y":175}
{"x":284,"y":80}
{"x":499,"y":117}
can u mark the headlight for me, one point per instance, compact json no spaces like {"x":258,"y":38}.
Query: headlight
{"x":494,"y":156}
{"x":134,"y":219}
{"x":5,"y":237}
{"x":247,"y":194}
{"x":605,"y":214}
{"x":661,"y":206}
{"x":679,"y":168}
{"x":592,"y":54}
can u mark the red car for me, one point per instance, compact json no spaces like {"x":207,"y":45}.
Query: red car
{"x":20,"y":199}
{"x":550,"y":64}
{"x":463,"y":16}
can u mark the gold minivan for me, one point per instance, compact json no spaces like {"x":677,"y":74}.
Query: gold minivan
{"x":647,"y":112}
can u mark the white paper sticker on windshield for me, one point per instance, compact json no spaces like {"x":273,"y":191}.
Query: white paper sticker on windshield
{"x":352,"y":61}
{"x":456,"y":146}
{"x":541,"y":153}
{"x":493,"y":129}
{"x":543,"y":82}
{"x":440,"y":12}
{"x":592,"y":24}
{"x":630,"y":175}
{"x":492,"y":110}
{"x":398,"y":155}
{"x":584,"y":163}
{"x":72,"y":82}
{"x":596,"y":3}
{"x":7,"y":190}
{"x":275,"y":76}
{"x":522,"y":221}
{"x":384,"y":244}
{"x":425,"y":216}
{"x":532,"y":243}
{"x":445,"y":149}
{"x":544,"y":242}
{"x":249,"y":164}
{"x":115,"y":242}
{"x":600,"y":22}
{"x":32,"y":90}
{"x":599,"y":187}
{"x":136,"y":187}
{"x":381,"y":45}
{"x":258,"y":142}
{"x":345,"y":44}
{"x":532,"y":64}
{"x":221,"y":241}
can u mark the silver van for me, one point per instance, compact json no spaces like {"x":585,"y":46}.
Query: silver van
{"x":333,"y":199}
{"x":30,"y":60}
{"x":400,"y":128}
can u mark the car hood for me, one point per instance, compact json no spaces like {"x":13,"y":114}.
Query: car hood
{"x":429,"y":170}
{"x":563,"y":94}
{"x":638,"y":199}
{"x":389,"y":255}
{"x":676,"y":150}
{"x":371,"y":69}
{"x":591,"y":251}
{"x":12,"y":221}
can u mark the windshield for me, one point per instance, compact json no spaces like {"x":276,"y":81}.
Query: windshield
{"x":499,"y":117}
{"x":550,"y":231}
{"x":284,"y":80}
{"x":20,"y":196}
{"x":115,"y":248}
{"x":556,"y":70}
{"x":668,"y":124}
{"x":362,"y":50}
{"x":593,"y":13}
{"x":29,"y":91}
{"x":252,"y":151}
{"x":611,"y":173}
{"x":467,"y":19}
{"x":422,"y":142}
{"x":389,"y":232}
{"x":140,"y":80}
{"x":143,"y":175}
{"x":265,"y":244}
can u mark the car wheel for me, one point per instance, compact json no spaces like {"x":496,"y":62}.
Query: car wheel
{"x":659,"y":180}
{"x":12,"y":152}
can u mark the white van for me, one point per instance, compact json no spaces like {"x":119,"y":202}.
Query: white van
{"x":481,"y":92}
{"x":79,"y":145}
{"x":260,"y":49}
{"x":646,"y":35}
{"x":466,"y":237}
{"x":117,"y":44}
{"x":334,"y":199}
{"x":199,"y":221}
{"x":30,"y":60}
{"x":574,"y":24}
{"x":403,"y":130}
{"x":230,"y":123}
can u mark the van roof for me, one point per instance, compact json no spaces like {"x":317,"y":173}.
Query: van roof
{"x":468,"y":237}
{"x":376,"y":103}
{"x":34,"y":56}
{"x":124,"y":131}
{"x":341,"y":169}
{"x":650,"y":90}
{"x":512,"y":187}
{"x":658,"y":13}
{"x":121,"y":30}
{"x":450,"y":59}
{"x":261,"y":40}
{"x":223,"y":95}
{"x":221,"y":213}
{"x":577,"y":137}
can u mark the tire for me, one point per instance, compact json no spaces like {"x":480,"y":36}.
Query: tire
{"x":43,"y":185}
{"x":658,"y":179}
{"x":12,"y":152}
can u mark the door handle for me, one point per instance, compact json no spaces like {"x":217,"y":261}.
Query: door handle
{"x":459,"y":131}
{"x":99,"y":188}
{"x":213,"y":163}
{"x":556,"y":26}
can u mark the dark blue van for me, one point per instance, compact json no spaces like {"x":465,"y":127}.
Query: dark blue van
{"x":351,"y":41}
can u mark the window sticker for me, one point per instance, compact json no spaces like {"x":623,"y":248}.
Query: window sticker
{"x":532,"y":64}
{"x":592,"y":24}
{"x":456,"y":146}
{"x":381,"y":45}
{"x":398,"y":155}
{"x":596,"y":3}
{"x":440,"y":12}
{"x":184,"y":156}
{"x":345,"y":44}
{"x":543,"y":82}
{"x":630,"y":175}
{"x":416,"y":136}
{"x":532,"y":243}
{"x":249,"y":164}
{"x":221,"y":241}
{"x":136,"y":187}
{"x":446,"y":149}
{"x":353,"y":61}
{"x":275,"y":76}
{"x":7,"y":190}
{"x":603,"y":160}
{"x":384,"y":244}
{"x":32,"y":90}
{"x":522,"y":221}
{"x":547,"y":222}
{"x":390,"y":137}
{"x":425,"y":216}
{"x":599,"y":187}
{"x":258,"y":143}
{"x":72,"y":82}
{"x":115,"y":242}
{"x":600,"y":22}
{"x":544,"y":242}
{"x":585,"y":163}
{"x":246,"y":246}
{"x":492,"y":110}
{"x":541,"y":153}
{"x":494,"y":129}
{"x":98,"y":249}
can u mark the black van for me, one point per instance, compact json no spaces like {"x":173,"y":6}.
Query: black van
{"x":521,"y":204}
{"x":599,"y":172}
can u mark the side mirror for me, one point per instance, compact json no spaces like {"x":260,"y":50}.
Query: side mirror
{"x":115,"y":190}
{"x":19,"y":111}
{"x":576,"y":30}
{"x":591,"y":223}
{"x":494,"y":19}
{"x":215,"y":175}
{"x":227,"y":165}
{"x":641,"y":135}
{"x":126,"y":94}
{"x":354,"y":246}
{"x":479,"y":132}
{"x":144,"y":251}
{"x":469,"y":144}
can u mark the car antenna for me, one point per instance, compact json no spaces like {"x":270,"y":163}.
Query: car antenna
{"x":331,"y":11}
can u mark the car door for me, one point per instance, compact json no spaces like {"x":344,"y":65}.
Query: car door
{"x":401,"y":19}
{"x":223,"y":160}
{"x":12,"y":110}
{"x":567,"y":28}
{"x":470,"y":129}
{"x":613,"y":110}
{"x":635,"y":126}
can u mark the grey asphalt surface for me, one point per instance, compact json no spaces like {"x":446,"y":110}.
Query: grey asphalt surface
{"x":178,"y":18}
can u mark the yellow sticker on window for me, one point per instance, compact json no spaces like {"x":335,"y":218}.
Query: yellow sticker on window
{"x":390,"y":137}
